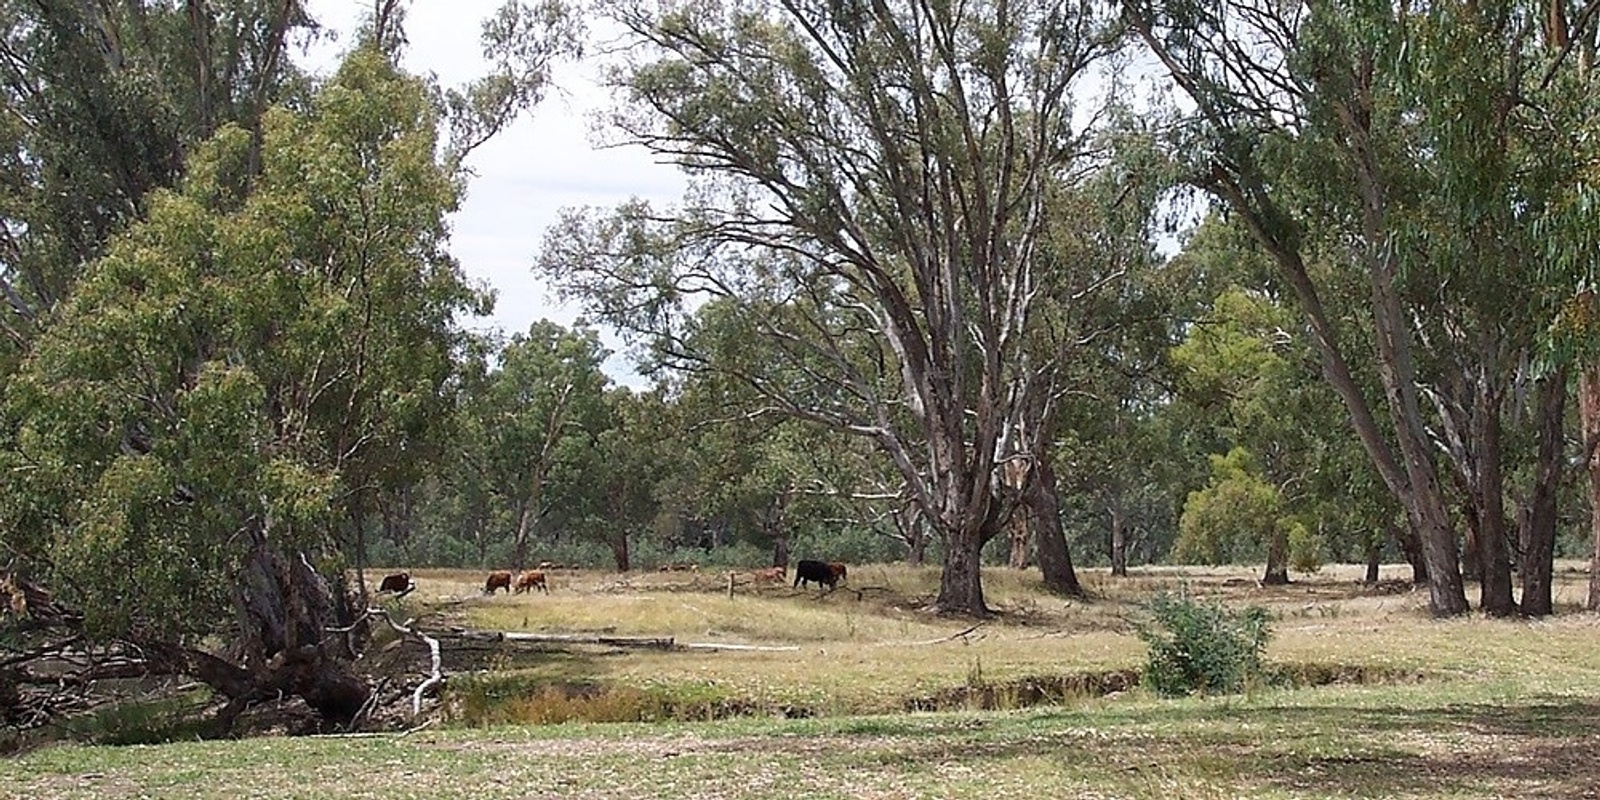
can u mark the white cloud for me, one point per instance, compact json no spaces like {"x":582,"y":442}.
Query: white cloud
{"x":525,"y":176}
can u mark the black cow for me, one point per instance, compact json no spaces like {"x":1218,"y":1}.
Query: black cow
{"x":807,"y":572}
{"x":400,"y":583}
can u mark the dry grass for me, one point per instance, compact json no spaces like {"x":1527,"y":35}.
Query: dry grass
{"x":1507,"y":708}
{"x":871,"y":647}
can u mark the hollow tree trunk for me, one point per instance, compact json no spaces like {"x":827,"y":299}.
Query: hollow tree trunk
{"x":1538,"y":534}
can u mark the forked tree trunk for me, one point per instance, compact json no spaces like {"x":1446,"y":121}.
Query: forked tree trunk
{"x":1538,"y":533}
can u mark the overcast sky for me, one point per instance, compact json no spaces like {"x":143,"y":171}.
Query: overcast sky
{"x":543,"y":163}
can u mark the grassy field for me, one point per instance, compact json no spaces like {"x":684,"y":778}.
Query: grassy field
{"x":1403,"y":706}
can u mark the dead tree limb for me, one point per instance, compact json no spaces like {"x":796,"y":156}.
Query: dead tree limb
{"x":435,"y":675}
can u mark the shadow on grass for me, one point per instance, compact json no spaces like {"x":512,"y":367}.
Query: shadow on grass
{"x":1541,"y":749}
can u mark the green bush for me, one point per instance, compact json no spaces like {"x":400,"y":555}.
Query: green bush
{"x":1201,"y":647}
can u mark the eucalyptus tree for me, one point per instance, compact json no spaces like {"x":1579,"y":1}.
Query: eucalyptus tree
{"x":871,"y":185}
{"x":1409,"y":148}
{"x":610,"y":483}
{"x":196,"y":411}
{"x":535,"y":413}
{"x":102,"y":103}
{"x":263,"y":343}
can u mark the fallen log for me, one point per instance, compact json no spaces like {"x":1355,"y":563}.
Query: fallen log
{"x":586,"y":638}
{"x":713,"y":646}
{"x":651,"y":642}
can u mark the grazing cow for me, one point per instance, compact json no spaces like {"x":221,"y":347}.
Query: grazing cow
{"x":838,"y":570}
{"x":808,"y":572}
{"x":399,"y":583}
{"x":499,"y":579}
{"x":769,"y":575}
{"x":530,"y":580}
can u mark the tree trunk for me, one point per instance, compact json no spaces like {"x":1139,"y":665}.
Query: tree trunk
{"x":780,"y":551}
{"x":1119,"y":540}
{"x":285,"y":613}
{"x":519,"y":550}
{"x":1538,"y":533}
{"x":358,"y":518}
{"x":961,"y":580}
{"x":1411,"y":547}
{"x":908,"y":524}
{"x":1044,"y":514}
{"x":1020,"y":526}
{"x":1495,"y":598}
{"x":776,"y":524}
{"x":1020,"y":534}
{"x":1277,"y":573}
{"x":1589,"y":416}
{"x":619,"y":551}
{"x":917,"y":547}
{"x":1374,"y":560}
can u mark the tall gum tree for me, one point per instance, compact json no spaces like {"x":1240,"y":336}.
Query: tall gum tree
{"x":1410,"y":146}
{"x":871,"y":183}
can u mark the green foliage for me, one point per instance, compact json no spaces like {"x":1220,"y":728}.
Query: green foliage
{"x":240,"y":360}
{"x":1203,"y":647}
{"x":1231,"y":518}
{"x":1305,"y":547}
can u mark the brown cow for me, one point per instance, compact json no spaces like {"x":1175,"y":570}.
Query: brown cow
{"x":838,"y":571}
{"x":400,"y":583}
{"x":530,"y":580}
{"x":769,"y":575}
{"x":499,"y":579}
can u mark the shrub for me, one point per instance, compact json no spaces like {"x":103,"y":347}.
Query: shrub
{"x":1201,"y":647}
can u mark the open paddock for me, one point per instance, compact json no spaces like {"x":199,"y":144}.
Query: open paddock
{"x":1396,"y":704}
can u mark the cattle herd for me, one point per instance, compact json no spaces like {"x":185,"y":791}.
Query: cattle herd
{"x":822,"y":573}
